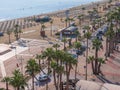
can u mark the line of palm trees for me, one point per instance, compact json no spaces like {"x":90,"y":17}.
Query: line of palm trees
{"x":113,"y":33}
{"x":17,"y":33}
{"x":59,"y":63}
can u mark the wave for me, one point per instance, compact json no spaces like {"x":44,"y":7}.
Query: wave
{"x":3,"y":19}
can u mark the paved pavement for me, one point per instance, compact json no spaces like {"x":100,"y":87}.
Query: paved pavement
{"x":110,"y":69}
{"x":17,"y":58}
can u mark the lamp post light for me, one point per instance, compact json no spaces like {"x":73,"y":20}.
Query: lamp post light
{"x":22,"y":66}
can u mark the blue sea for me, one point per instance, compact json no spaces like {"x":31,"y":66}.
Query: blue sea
{"x":10,"y":9}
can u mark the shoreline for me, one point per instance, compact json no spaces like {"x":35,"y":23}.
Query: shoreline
{"x":57,"y":11}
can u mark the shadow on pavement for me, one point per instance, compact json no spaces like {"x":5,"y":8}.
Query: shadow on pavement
{"x":103,"y":79}
{"x":42,"y":83}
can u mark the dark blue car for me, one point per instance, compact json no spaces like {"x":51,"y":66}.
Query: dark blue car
{"x":1,"y":34}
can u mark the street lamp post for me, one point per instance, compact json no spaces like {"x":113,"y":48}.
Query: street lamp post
{"x":22,"y":68}
{"x":15,"y":52}
{"x":28,"y":45}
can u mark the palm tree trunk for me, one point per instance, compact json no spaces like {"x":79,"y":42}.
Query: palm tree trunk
{"x":99,"y":68}
{"x":18,"y":88}
{"x":67,"y":83}
{"x":61,"y":84}
{"x":93,"y":68}
{"x":7,"y":86}
{"x":109,"y":50}
{"x":76,"y":38}
{"x":112,"y":45}
{"x":33,"y":82}
{"x":58,"y":81}
{"x":68,"y":75}
{"x":9,"y":39}
{"x":66,"y":23}
{"x":106,"y":54}
{"x":61,"y":81}
{"x":54,"y":74}
{"x":46,"y":86}
{"x":96,"y":62}
{"x":86,"y":61}
{"x":39,"y":63}
{"x":76,"y":69}
{"x":64,"y":46}
{"x":48,"y":74}
{"x":69,"y":22}
{"x":19,"y":35}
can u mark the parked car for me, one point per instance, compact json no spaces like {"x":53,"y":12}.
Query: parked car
{"x":43,"y":77}
{"x":1,"y":34}
{"x":83,"y":48}
{"x":74,"y":55}
{"x":79,"y":52}
{"x":51,"y":43}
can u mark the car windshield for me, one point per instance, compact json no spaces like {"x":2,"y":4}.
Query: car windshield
{"x":42,"y":76}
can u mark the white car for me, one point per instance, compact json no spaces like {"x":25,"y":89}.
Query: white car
{"x":43,"y":77}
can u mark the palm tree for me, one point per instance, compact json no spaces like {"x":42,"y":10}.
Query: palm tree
{"x":70,"y":20}
{"x":83,"y":9}
{"x":69,"y":63}
{"x":41,"y":23}
{"x":17,"y":32}
{"x":9,"y":32}
{"x":66,"y":22}
{"x":56,"y":46}
{"x":48,"y":53}
{"x":42,"y":30}
{"x":109,"y":41}
{"x":6,"y":80}
{"x":80,"y":18}
{"x":100,"y":61}
{"x":86,"y":28}
{"x":32,"y":68}
{"x":97,"y":45}
{"x":87,"y":36}
{"x":51,"y":22}
{"x":18,"y":81}
{"x":58,"y":57}
{"x":57,"y":69}
{"x":91,"y":60}
{"x":39,"y":57}
{"x":77,"y":45}
{"x":65,"y":41}
{"x":94,"y":22}
{"x":43,"y":27}
{"x":77,"y":33}
{"x":54,"y":67}
{"x":62,"y":21}
{"x":110,"y":1}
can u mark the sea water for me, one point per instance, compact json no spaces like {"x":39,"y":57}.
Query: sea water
{"x":10,"y":9}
